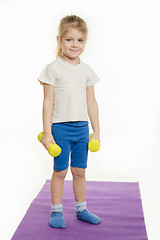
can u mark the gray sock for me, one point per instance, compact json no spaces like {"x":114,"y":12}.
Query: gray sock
{"x":80,"y":206}
{"x":56,"y":208}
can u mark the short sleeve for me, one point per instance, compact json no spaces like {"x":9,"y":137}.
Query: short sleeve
{"x":47,"y":75}
{"x":92,"y":77}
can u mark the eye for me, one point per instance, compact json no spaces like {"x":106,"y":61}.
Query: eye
{"x":80,"y":40}
{"x":68,"y":39}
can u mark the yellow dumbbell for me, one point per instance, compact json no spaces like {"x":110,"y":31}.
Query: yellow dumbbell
{"x":94,"y":144}
{"x":54,"y":150}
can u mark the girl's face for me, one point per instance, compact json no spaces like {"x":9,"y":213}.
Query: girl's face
{"x":73,"y":43}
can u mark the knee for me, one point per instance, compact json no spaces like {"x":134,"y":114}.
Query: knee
{"x":78,"y":172}
{"x":60,"y":174}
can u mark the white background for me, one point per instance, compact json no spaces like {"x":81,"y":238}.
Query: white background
{"x":123,"y":49}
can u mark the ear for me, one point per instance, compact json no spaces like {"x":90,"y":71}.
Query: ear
{"x":58,"y":41}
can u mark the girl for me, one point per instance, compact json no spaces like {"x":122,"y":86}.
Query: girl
{"x":68,"y":85}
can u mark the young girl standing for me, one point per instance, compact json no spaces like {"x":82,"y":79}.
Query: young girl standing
{"x":68,"y":85}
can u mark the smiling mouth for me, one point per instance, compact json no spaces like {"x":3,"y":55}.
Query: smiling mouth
{"x":74,"y":50}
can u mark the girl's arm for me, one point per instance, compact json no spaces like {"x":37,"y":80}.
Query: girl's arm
{"x":93,"y":111}
{"x":47,"y":107}
{"x":47,"y":114}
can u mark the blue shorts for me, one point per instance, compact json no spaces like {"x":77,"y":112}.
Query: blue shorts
{"x":71,"y":137}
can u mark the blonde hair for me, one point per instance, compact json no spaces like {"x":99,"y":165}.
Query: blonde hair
{"x":67,"y":22}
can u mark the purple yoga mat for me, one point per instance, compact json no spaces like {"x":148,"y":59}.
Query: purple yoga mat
{"x":118,"y":204}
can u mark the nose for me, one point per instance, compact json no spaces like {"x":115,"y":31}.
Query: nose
{"x":74,"y":44}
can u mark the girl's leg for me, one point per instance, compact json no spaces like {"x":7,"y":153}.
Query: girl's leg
{"x":79,"y":188}
{"x":57,"y":186}
{"x":79,"y":184}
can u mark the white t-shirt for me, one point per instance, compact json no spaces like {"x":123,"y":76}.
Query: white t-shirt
{"x":70,"y":82}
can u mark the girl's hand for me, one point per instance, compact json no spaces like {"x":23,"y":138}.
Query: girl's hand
{"x":95,"y":136}
{"x":47,"y":139}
